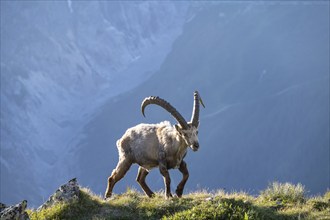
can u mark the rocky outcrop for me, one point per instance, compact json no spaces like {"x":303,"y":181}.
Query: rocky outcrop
{"x":66,"y":193}
{"x":14,"y":212}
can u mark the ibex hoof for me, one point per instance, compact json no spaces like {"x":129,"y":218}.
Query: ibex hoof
{"x":107,"y":196}
{"x":179,"y":193}
{"x":168,"y":196}
{"x":151,"y":195}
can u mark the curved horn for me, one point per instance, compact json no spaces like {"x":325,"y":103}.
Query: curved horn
{"x":195,"y":114}
{"x":167,"y":106}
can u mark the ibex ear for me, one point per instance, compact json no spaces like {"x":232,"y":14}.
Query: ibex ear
{"x":178,"y":128}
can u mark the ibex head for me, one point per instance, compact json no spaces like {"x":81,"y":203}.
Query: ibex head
{"x":187,"y":130}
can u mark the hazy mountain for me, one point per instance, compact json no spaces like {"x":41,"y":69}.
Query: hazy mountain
{"x":73,"y":77}
{"x":60,"y":61}
{"x":263,"y":73}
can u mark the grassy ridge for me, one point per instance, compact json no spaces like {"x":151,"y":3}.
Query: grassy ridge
{"x":278,"y":201}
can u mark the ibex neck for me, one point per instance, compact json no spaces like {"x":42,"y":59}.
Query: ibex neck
{"x":182,"y":148}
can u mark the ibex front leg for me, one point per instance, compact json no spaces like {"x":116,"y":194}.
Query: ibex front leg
{"x":183,"y":169}
{"x":163,"y":170}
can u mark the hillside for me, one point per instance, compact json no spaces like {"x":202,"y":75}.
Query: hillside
{"x":57,"y":72}
{"x":278,"y":201}
{"x":74,"y":73}
{"x":267,"y":106}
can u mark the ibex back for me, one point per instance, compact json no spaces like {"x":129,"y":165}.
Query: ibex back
{"x":157,"y":145}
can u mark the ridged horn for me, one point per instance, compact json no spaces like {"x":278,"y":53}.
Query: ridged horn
{"x":195,"y":114}
{"x":167,"y":106}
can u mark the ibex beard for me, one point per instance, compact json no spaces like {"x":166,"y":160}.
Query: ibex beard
{"x":157,"y":145}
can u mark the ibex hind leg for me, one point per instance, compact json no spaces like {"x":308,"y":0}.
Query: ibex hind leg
{"x":141,"y":179}
{"x":116,"y":175}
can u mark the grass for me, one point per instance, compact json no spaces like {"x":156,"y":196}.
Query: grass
{"x":278,"y":201}
{"x":284,"y":193}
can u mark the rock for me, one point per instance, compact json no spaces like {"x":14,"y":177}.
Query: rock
{"x":66,"y":193}
{"x":14,"y":212}
{"x":2,"y":207}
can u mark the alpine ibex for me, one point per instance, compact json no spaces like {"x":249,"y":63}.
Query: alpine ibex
{"x":157,"y":145}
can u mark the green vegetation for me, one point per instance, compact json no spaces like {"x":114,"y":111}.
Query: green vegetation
{"x":284,"y":193}
{"x":278,"y":201}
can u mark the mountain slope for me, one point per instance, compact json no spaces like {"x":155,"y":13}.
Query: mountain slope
{"x":73,"y":76}
{"x":60,"y":61}
{"x":263,"y":73}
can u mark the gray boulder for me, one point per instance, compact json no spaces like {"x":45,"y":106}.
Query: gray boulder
{"x":14,"y":212}
{"x":66,"y":193}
